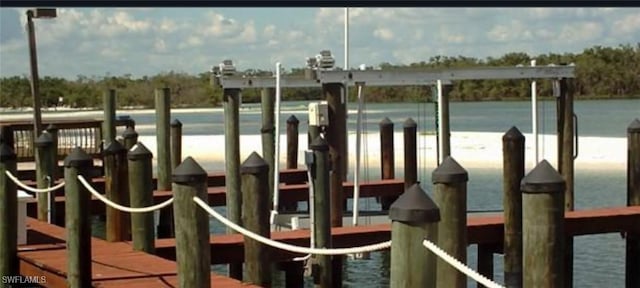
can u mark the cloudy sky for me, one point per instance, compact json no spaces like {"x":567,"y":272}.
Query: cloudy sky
{"x":147,"y":41}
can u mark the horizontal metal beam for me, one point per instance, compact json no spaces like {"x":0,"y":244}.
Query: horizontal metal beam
{"x":238,"y":82}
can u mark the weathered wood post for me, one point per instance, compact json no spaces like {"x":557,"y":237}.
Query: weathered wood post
{"x":336,"y":135}
{"x":387,"y":163}
{"x":255,"y":204}
{"x":130,"y":137}
{"x":322,"y":224}
{"x":485,"y":261}
{"x":141,"y":195}
{"x":78,"y":224}
{"x":44,"y":172}
{"x":513,"y":150}
{"x":268,"y":98}
{"x":8,"y":211}
{"x":6,"y":136}
{"x":109,"y":122}
{"x":543,"y":227}
{"x":450,"y":193}
{"x":193,"y":252}
{"x":414,"y":218}
{"x":176,"y":143}
{"x":163,"y":114}
{"x":632,"y":278}
{"x":410,"y":153}
{"x":446,"y":127}
{"x":116,"y":188}
{"x":56,"y":218}
{"x":292,"y":142}
{"x":231,"y":106}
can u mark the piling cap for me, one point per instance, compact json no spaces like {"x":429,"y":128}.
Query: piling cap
{"x":254,"y":164}
{"x":113,"y":148}
{"x":414,"y":205}
{"x":189,"y":171}
{"x":513,"y":135}
{"x":634,"y":127}
{"x":543,"y":179}
{"x":139,"y":152}
{"x":44,"y":140}
{"x":449,"y":172}
{"x":176,"y":123}
{"x":293,"y":120}
{"x":6,"y":153}
{"x":129,"y":133}
{"x":78,"y":158}
{"x":386,"y":122}
{"x":52,"y":128}
{"x":409,"y":123}
{"x":319,"y":144}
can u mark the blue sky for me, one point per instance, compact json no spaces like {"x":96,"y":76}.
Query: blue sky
{"x":147,"y":41}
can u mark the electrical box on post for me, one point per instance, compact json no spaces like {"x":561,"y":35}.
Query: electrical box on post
{"x":319,"y":114}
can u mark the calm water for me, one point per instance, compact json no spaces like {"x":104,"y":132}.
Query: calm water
{"x":598,"y":259}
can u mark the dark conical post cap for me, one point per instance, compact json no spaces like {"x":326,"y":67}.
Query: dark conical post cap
{"x":386,"y":122}
{"x":78,"y":158}
{"x":543,"y":179}
{"x":414,"y":205}
{"x":254,"y":164}
{"x":176,"y":123}
{"x":52,"y":128}
{"x":449,"y":172}
{"x":113,"y":148}
{"x":293,"y":120}
{"x":139,"y":152}
{"x":634,"y":127}
{"x":513,"y":135}
{"x":130,"y":132}
{"x":409,"y":123}
{"x":6,"y":153}
{"x":319,"y":144}
{"x":189,"y":171}
{"x":44,"y":140}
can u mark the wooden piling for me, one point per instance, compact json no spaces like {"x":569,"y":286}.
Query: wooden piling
{"x":56,"y":218}
{"x":116,"y":188}
{"x":446,"y":127}
{"x":450,"y":193}
{"x":414,"y":218}
{"x":632,"y":278}
{"x":294,"y":273}
{"x":268,"y":98}
{"x":6,"y":136}
{"x":543,"y":232}
{"x":485,"y":262}
{"x":130,"y":137}
{"x":292,"y":142}
{"x":141,"y":195}
{"x":109,"y":122}
{"x":78,"y":222}
{"x":410,"y":153}
{"x":255,"y":204}
{"x":513,"y":150}
{"x":387,"y":165}
{"x":163,"y":114}
{"x":9,"y":264}
{"x":44,"y":173}
{"x":192,"y":225}
{"x":323,"y":275}
{"x":176,"y":143}
{"x":231,"y":105}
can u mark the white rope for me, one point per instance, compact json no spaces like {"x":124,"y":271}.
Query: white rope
{"x":289,"y":247}
{"x":460,"y":266}
{"x":120,"y":207}
{"x":31,"y":189}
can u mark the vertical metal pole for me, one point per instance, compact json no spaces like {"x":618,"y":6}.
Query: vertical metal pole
{"x":534,"y":117}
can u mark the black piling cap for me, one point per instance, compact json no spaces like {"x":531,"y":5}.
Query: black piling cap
{"x":113,"y":148}
{"x":189,"y":171}
{"x":78,"y":158}
{"x":414,"y":205}
{"x":513,"y":135}
{"x":254,"y":164}
{"x":139,"y":152}
{"x":386,"y":122}
{"x":293,"y":120}
{"x":409,"y":123}
{"x":449,"y":172}
{"x":543,"y":179}
{"x":634,"y":127}
{"x":52,"y":128}
{"x":130,"y":132}
{"x":319,"y":144}
{"x":44,"y":140}
{"x":6,"y":153}
{"x":176,"y":123}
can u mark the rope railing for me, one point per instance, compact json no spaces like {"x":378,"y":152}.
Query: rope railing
{"x":289,"y":247}
{"x":460,"y":266}
{"x":120,"y":207}
{"x":31,"y":189}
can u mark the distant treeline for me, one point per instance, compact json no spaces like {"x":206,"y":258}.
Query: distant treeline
{"x":602,"y":72}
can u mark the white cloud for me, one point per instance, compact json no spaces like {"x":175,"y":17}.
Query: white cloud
{"x":383,"y":33}
{"x":160,"y":46}
{"x":628,"y":24}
